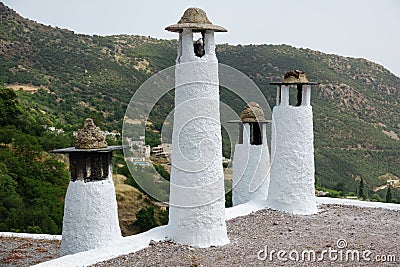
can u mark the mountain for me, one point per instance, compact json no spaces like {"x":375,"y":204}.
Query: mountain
{"x":68,"y":76}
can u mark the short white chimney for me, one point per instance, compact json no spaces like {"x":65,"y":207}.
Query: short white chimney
{"x":251,"y":162}
{"x":291,"y":187}
{"x":90,"y":210}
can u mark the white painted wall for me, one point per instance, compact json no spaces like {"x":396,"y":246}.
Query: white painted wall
{"x":197,"y":203}
{"x":251,"y":164}
{"x":90,"y":216}
{"x":291,"y":187}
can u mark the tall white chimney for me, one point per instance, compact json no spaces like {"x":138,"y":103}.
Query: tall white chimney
{"x":197,"y":203}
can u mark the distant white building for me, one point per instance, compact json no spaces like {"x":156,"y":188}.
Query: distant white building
{"x":54,"y":129}
{"x":139,"y":148}
{"x":145,"y":150}
{"x":111,"y":134}
{"x":136,"y":142}
{"x":162,"y":151}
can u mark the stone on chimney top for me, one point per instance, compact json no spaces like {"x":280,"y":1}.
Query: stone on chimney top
{"x":295,"y":76}
{"x":90,"y":137}
{"x":195,"y":19}
{"x":252,"y":113}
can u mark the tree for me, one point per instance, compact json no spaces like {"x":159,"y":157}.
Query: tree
{"x":145,"y":219}
{"x":389,"y":197}
{"x":340,"y":186}
{"x":228,"y":199}
{"x":152,"y":139}
{"x":162,"y":171}
{"x":376,"y":197}
{"x":9,"y":110}
{"x":361,"y":189}
{"x":10,"y":201}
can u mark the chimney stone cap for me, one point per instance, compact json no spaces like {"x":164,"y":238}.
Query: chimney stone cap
{"x":90,"y":136}
{"x":196,"y":19}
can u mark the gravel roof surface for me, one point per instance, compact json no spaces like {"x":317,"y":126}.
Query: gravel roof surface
{"x":16,"y":251}
{"x":362,"y":229}
{"x":369,"y":231}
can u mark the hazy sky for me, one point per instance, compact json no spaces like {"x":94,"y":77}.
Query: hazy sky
{"x":356,"y":28}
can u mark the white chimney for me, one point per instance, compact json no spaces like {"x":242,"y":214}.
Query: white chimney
{"x":197,"y":203}
{"x":90,"y":210}
{"x":291,"y":188}
{"x":251,"y":162}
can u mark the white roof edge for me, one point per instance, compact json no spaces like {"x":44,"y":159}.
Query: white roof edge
{"x":137,"y":242}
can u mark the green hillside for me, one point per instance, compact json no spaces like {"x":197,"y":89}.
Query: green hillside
{"x":67,"y":77}
{"x":32,"y":183}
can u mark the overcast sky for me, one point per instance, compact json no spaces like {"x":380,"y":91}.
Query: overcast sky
{"x":358,"y":28}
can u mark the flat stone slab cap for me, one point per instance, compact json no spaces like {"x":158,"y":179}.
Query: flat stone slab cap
{"x":239,"y":121}
{"x":90,"y":136}
{"x":294,"y":77}
{"x":196,"y":19}
{"x":283,"y":83}
{"x":252,"y":112}
{"x":69,"y":150}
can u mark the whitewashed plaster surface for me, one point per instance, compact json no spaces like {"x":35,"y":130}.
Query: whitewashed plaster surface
{"x":122,"y":246}
{"x":357,"y":203}
{"x":197,"y":204}
{"x":291,"y":186}
{"x":31,"y":236}
{"x":90,"y":216}
{"x":250,"y":173}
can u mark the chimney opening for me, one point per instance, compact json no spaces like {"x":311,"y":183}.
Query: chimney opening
{"x":198,"y":45}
